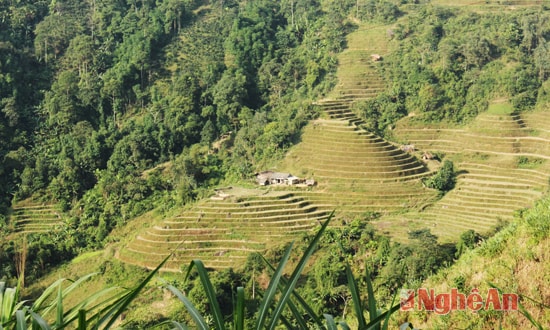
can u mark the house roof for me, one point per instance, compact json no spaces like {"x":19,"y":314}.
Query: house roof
{"x":268,"y":175}
{"x":280,"y":175}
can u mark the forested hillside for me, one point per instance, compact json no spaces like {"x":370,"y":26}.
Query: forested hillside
{"x":95,"y":93}
{"x":422,"y":123}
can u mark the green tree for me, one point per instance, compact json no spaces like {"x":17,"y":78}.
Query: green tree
{"x":445,"y":178}
{"x":54,"y":33}
{"x":467,"y":240}
{"x":229,"y":95}
{"x":541,"y":56}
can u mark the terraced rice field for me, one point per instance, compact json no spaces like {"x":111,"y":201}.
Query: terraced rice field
{"x":492,"y":183}
{"x":222,"y":233}
{"x":489,"y":3}
{"x":358,"y":77}
{"x":28,"y":217}
{"x":358,"y":171}
{"x":508,"y":134}
{"x":501,"y":159}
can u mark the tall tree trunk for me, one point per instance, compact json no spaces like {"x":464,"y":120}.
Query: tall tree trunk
{"x":292,"y":14}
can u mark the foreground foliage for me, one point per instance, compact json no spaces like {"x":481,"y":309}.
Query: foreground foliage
{"x":269,"y":314}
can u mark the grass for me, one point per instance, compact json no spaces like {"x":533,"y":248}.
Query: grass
{"x":53,"y":311}
{"x":278,"y":296}
{"x":511,"y":260}
{"x":87,"y":256}
{"x":500,"y":108}
{"x":529,"y":162}
{"x":213,"y":222}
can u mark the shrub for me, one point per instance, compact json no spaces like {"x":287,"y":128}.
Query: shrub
{"x":444,"y":180}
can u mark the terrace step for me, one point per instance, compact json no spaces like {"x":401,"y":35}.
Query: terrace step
{"x":32,"y":217}
{"x":207,"y":229}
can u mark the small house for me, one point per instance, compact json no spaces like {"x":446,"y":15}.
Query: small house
{"x":276,"y":178}
{"x":264,"y":178}
{"x":376,"y":57}
{"x":292,"y":180}
{"x":427,"y":156}
{"x":280,"y":177}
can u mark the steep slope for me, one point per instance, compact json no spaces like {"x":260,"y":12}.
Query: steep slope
{"x":501,"y":166}
{"x":516,"y":260}
{"x":356,"y":172}
{"x":500,"y":162}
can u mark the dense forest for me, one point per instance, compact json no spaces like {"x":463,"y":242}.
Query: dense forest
{"x":112,"y":108}
{"x":93,"y":94}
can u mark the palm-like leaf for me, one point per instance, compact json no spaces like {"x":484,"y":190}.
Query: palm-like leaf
{"x":59,"y":318}
{"x":195,"y":314}
{"x":9,"y":303}
{"x":239,"y":312}
{"x":355,"y":296}
{"x":210,"y":292}
{"x":271,"y":290}
{"x":296,"y":275}
{"x":301,"y":301}
{"x":38,"y":322}
{"x":373,"y":310}
{"x":112,"y":312}
{"x":331,"y":324}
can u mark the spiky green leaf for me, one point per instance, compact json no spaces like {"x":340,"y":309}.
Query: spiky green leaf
{"x":356,"y":298}
{"x":210,"y":292}
{"x":179,"y":326}
{"x":38,"y":321}
{"x":195,"y":314}
{"x":373,"y":310}
{"x":239,"y":312}
{"x":331,"y":324}
{"x":82,"y":324}
{"x":344,"y":325}
{"x":301,"y":301}
{"x":382,"y":316}
{"x":293,"y":280}
{"x":271,"y":290}
{"x":20,"y":322}
{"x":117,"y":308}
{"x":59,"y":318}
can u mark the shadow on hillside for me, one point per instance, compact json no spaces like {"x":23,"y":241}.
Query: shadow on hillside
{"x":297,"y":137}
{"x":461,"y":172}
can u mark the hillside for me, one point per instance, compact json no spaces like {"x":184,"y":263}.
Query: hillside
{"x":499,"y":158}
{"x":515,"y":260}
{"x":172,"y":128}
{"x":502,"y":164}
{"x":356,"y":172}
